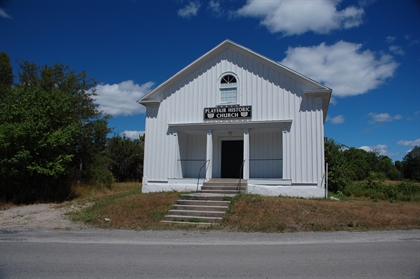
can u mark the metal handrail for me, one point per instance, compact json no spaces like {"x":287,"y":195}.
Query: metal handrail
{"x":280,"y":159}
{"x":240,"y":176}
{"x":242,"y":166}
{"x":199,"y":172}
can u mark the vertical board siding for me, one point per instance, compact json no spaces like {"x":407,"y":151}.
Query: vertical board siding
{"x":192,"y":154}
{"x":273,"y":96}
{"x":266,"y":155}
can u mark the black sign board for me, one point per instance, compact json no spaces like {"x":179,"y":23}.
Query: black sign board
{"x":227,"y":112}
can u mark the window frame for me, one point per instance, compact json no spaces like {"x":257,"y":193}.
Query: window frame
{"x":224,"y":87}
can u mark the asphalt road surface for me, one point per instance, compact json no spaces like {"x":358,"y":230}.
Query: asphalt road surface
{"x":215,"y":254}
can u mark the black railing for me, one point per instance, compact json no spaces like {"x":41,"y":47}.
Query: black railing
{"x":240,"y":176}
{"x":196,"y":160}
{"x":265,"y":159}
{"x":199,"y":172}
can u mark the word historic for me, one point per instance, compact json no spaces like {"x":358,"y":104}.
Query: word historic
{"x":227,"y":112}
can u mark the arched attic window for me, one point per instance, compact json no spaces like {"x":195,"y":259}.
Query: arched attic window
{"x":228,"y":89}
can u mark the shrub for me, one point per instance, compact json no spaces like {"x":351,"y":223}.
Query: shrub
{"x":404,"y":191}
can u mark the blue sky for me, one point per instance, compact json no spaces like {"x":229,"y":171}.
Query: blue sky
{"x":367,"y":51}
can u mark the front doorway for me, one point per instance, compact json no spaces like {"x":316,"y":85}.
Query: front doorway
{"x":232,"y":158}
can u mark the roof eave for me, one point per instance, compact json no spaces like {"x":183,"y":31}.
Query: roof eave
{"x":325,"y":93}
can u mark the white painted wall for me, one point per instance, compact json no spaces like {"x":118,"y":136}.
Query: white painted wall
{"x":273,"y":93}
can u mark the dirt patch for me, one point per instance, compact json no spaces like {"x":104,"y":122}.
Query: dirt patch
{"x":49,"y":216}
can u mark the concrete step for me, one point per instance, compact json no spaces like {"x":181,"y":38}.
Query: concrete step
{"x":199,"y":207}
{"x":230,"y":184}
{"x":195,"y":213}
{"x":192,"y":219}
{"x":221,"y":187}
{"x":196,"y":224}
{"x":208,"y":196}
{"x":203,"y":202}
{"x":207,"y":206}
{"x":226,"y":182}
{"x":220,"y":191}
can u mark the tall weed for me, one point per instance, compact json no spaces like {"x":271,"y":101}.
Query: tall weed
{"x":403,"y":191}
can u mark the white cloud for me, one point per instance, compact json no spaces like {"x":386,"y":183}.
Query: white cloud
{"x":4,"y":14}
{"x":409,"y":142}
{"x":382,"y":117}
{"x":344,"y":67}
{"x":333,"y":101}
{"x":298,"y":17}
{"x":214,"y":7}
{"x":189,"y":10}
{"x":390,"y":39}
{"x":339,"y":119}
{"x":396,"y":50}
{"x":410,"y":40}
{"x":132,"y":134}
{"x":416,"y":115}
{"x":380,"y":148}
{"x":120,"y":99}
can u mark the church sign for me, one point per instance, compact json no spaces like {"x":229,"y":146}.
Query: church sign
{"x":227,"y":112}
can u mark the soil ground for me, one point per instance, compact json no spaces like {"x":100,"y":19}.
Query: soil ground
{"x":35,"y":216}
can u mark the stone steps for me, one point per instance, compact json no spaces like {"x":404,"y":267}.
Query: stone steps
{"x":193,"y":207}
{"x":220,"y":191}
{"x":208,"y":206}
{"x":203,"y":202}
{"x":222,"y":188}
{"x":192,"y":220}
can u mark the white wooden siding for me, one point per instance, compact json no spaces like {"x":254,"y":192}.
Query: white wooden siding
{"x":266,"y":156}
{"x":273,"y":95}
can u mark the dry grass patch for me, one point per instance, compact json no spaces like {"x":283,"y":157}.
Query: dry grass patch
{"x":124,"y":206}
{"x":91,"y":190}
{"x":6,"y":205}
{"x":128,"y":209}
{"x":252,"y":213}
{"x":144,"y":211}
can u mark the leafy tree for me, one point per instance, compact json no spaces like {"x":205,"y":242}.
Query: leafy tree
{"x":6,"y":74}
{"x":36,"y":143}
{"x":93,"y":124}
{"x":398,"y":166}
{"x":362,"y":163}
{"x":386,"y":167}
{"x":411,"y":164}
{"x":51,"y":133}
{"x":338,"y":171}
{"x":126,"y":158}
{"x":359,"y":163}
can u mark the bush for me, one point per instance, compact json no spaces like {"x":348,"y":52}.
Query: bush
{"x":375,"y":189}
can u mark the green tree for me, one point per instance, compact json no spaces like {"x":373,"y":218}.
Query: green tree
{"x":51,"y":133}
{"x":93,"y":124}
{"x":36,"y":144}
{"x":359,"y":162}
{"x":126,"y":158}
{"x":362,"y":163}
{"x":386,"y":166}
{"x":6,"y":74}
{"x":411,"y":164}
{"x":338,"y":171}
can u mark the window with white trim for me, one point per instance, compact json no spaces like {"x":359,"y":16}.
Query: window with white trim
{"x":228,"y":90}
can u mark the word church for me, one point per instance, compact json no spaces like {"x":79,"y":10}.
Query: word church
{"x":239,"y":115}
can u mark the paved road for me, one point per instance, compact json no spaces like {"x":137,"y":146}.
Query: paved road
{"x":189,"y":254}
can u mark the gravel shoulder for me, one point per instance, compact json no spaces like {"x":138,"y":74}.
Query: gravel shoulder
{"x":40,"y":216}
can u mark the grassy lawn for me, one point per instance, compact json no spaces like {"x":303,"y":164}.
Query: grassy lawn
{"x":124,"y":206}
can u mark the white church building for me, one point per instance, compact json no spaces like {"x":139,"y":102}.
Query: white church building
{"x":234,"y":113}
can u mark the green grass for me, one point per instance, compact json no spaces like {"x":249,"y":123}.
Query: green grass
{"x":379,"y":190}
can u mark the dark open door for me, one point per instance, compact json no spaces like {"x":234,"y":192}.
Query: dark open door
{"x":232,"y":157}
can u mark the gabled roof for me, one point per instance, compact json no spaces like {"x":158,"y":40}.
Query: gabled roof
{"x":320,"y":89}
